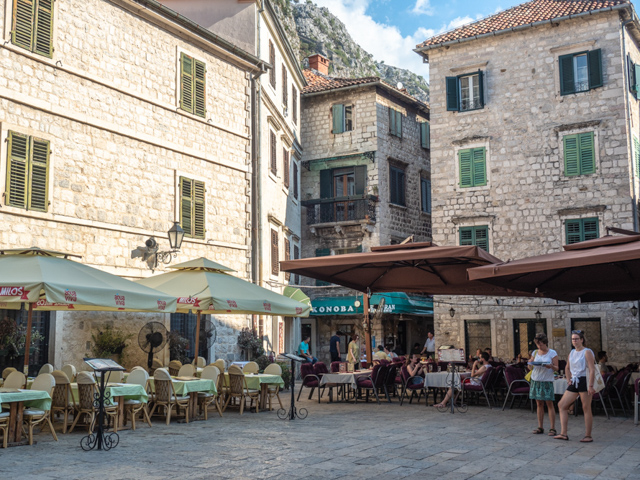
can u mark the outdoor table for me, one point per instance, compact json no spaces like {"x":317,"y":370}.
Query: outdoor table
{"x":348,"y":378}
{"x":119,"y":392}
{"x":259,"y":381}
{"x":442,"y":379}
{"x":239,"y":364}
{"x":560,"y":386}
{"x":17,"y":399}
{"x":191,"y":388}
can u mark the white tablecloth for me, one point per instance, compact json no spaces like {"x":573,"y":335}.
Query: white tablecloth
{"x":560,"y":386}
{"x":239,"y":364}
{"x":442,"y":379}
{"x":343,"y":378}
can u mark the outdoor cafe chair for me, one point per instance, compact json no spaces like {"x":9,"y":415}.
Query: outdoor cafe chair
{"x":174,"y":367}
{"x":220,"y":364}
{"x":199,"y":362}
{"x":33,"y":416}
{"x":619,"y":388}
{"x":165,"y":395}
{"x":70,"y":371}
{"x":374,"y":382}
{"x":132,"y":407}
{"x":62,"y":400}
{"x":46,"y":368}
{"x":272,"y":389}
{"x":15,"y":380}
{"x":309,"y":380}
{"x":407,"y":384}
{"x":604,"y":393}
{"x":517,"y":385}
{"x":251,"y":367}
{"x":7,"y":371}
{"x":187,"y":370}
{"x":205,"y":399}
{"x":155,"y":364}
{"x":116,"y":376}
{"x":4,"y":427}
{"x":335,"y":367}
{"x":390,"y":381}
{"x":636,"y":400}
{"x":238,"y":389}
{"x":485,"y":382}
{"x":85,"y":407}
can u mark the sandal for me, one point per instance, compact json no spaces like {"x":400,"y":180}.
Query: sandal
{"x":587,"y":439}
{"x":538,"y":431}
{"x":552,"y":432}
{"x":561,"y":437}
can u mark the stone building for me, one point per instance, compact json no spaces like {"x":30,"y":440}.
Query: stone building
{"x":118,"y":118}
{"x":535,"y":117}
{"x":276,"y":148}
{"x":365,"y":182}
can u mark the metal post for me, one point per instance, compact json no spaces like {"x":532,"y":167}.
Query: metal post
{"x":197,"y":346}
{"x":27,"y":342}
{"x":367,"y":328}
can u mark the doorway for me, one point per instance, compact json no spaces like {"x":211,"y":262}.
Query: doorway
{"x":344,"y":185}
{"x":524,"y":331}
{"x":477,"y":334}
{"x":39,"y":351}
{"x":592,"y":331}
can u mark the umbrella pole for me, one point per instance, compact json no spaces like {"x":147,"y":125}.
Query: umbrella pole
{"x":367,"y":328}
{"x":27,"y":343}
{"x":197,"y":347}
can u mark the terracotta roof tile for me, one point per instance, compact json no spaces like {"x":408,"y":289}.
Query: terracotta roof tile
{"x":524,"y":14}
{"x":316,"y":82}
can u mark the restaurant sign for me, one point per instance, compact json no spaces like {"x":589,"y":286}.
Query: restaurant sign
{"x":395,"y":303}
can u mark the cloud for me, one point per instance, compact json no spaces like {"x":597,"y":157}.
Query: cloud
{"x":423,"y":7}
{"x":458,"y":22}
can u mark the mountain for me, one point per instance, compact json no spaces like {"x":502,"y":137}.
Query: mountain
{"x":312,"y":30}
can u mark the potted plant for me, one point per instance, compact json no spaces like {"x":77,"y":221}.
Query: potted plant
{"x":110,"y":343}
{"x":250,"y":344}
{"x":178,"y":347}
{"x":13,"y":337}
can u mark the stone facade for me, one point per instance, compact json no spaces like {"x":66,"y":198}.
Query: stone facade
{"x":528,"y":199}
{"x":119,"y":144}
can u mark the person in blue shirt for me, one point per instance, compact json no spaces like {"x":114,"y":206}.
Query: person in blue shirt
{"x":304,"y":351}
{"x":334,"y":347}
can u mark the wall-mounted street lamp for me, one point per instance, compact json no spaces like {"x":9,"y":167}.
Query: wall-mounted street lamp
{"x":538,"y":315}
{"x":452,"y":312}
{"x":150,"y":252}
{"x":634,"y":311}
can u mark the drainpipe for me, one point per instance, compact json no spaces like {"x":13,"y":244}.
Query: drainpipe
{"x":625,"y":73}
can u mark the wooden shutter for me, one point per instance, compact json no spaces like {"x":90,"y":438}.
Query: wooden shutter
{"x":571,"y":165}
{"x":589,"y":228}
{"x":401,"y":187}
{"x":326,"y":184}
{"x":275,"y":261}
{"x":573,"y":231}
{"x":23,"y":22}
{"x":43,"y":41}
{"x":360,"y":174}
{"x":567,"y":82}
{"x":631,"y":74}
{"x":481,"y":88}
{"x":274,"y":159}
{"x":393,"y":185}
{"x":465,"y":158}
{"x":428,"y":196}
{"x":398,"y":123}
{"x":295,"y":180}
{"x":392,"y":122}
{"x":481,"y":239}
{"x":595,"y":68}
{"x":186,"y":205}
{"x":425,"y":134}
{"x":466,"y":236}
{"x":287,"y":256}
{"x":17,"y":170}
{"x":285,"y":167}
{"x":272,"y":61}
{"x":453,"y":101}
{"x":285,"y":87}
{"x":582,"y":229}
{"x":479,"y":167}
{"x":200,"y":99}
{"x":294,"y":104}
{"x":636,"y":79}
{"x":338,"y":119}
{"x":322,"y":252}
{"x":587,"y":153}
{"x":199,"y":203}
{"x":38,"y":174}
{"x":186,"y":83}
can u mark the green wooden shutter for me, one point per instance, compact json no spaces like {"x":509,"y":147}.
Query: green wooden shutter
{"x":199,"y":202}
{"x":394,"y":184}
{"x":358,"y":249}
{"x":567,"y":82}
{"x":453,"y":102}
{"x":360,"y":174}
{"x":199,"y":94}
{"x":466,"y":235}
{"x":43,"y":41}
{"x":186,"y":83}
{"x":23,"y":20}
{"x":392,"y":122}
{"x":590,"y":228}
{"x":338,"y":118}
{"x":481,"y":237}
{"x":17,"y":170}
{"x":479,"y":167}
{"x":573,"y":231}
{"x":428,"y":185}
{"x":326,"y":185}
{"x":582,"y":229}
{"x":287,"y":256}
{"x":587,"y":153}
{"x":595,"y":68}
{"x":186,"y":205}
{"x":398,"y":123}
{"x":481,"y":88}
{"x":322,"y":252}
{"x":423,"y":134}
{"x":38,"y":174}
{"x":401,"y":186}
{"x":631,"y":74}
{"x":636,"y":79}
{"x":571,"y":165}
{"x":465,"y":158}
{"x":428,"y":134}
{"x":286,"y":168}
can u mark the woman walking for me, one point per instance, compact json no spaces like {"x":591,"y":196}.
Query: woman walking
{"x":353,"y":353}
{"x":580,"y":372}
{"x":542,"y":382}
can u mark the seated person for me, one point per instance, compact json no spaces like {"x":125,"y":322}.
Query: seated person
{"x":488,"y":350}
{"x":304,"y":351}
{"x":479,"y":368}
{"x":416,"y":349}
{"x":380,"y":354}
{"x":389,"y":352}
{"x":415,"y":370}
{"x":602,"y":363}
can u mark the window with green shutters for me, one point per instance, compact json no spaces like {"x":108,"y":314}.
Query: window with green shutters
{"x":478,"y":236}
{"x":581,"y":229}
{"x":27,"y":172}
{"x":425,"y":135}
{"x":192,"y":207}
{"x":397,"y":185}
{"x":425,"y":195}
{"x":580,"y":72}
{"x":395,"y":123}
{"x":465,"y":92}
{"x":32,"y":26}
{"x":193,"y":85}
{"x":633,"y":73}
{"x":342,"y":116}
{"x":473,"y":167}
{"x":579,"y":154}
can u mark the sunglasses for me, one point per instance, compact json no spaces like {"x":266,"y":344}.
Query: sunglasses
{"x":577,"y":332}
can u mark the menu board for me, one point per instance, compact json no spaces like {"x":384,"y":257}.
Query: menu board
{"x":452,"y":355}
{"x":103,"y":364}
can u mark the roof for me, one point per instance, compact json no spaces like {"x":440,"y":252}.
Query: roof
{"x":319,"y":83}
{"x":522,"y":15}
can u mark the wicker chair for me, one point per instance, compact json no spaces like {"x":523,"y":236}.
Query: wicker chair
{"x":165,"y":395}
{"x":155,"y":364}
{"x":7,"y":371}
{"x":251,"y":367}
{"x":60,"y":399}
{"x":238,"y":389}
{"x":174,"y":367}
{"x":70,"y":372}
{"x":199,"y":362}
{"x":32,"y":416}
{"x":46,"y":368}
{"x":205,"y":399}
{"x":87,"y":388}
{"x":273,"y":390}
{"x":116,"y":376}
{"x":4,"y":427}
{"x":220,"y":364}
{"x":187,"y":370}
{"x":15,"y":380}
{"x":138,"y":376}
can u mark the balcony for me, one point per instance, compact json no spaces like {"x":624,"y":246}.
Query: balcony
{"x":353,"y":208}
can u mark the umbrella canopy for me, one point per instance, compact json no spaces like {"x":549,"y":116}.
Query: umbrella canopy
{"x":604,"y":269}
{"x":413,"y":267}
{"x":296,"y":294}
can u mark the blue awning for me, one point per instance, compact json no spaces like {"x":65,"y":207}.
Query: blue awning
{"x":395,"y":303}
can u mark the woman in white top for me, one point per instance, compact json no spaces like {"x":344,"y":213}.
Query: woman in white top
{"x":542,"y":382}
{"x":580,"y":372}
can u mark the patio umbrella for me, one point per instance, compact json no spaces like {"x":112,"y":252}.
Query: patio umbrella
{"x":603,"y":269}
{"x":207,"y":287}
{"x":48,"y":280}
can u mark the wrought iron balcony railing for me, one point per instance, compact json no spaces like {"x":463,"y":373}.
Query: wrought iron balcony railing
{"x":341,"y":209}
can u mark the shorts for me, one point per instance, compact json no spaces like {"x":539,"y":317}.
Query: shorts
{"x":582,"y":386}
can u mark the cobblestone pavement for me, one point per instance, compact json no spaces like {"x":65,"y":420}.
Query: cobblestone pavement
{"x":342,"y":440}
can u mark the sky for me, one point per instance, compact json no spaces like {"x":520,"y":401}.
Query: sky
{"x":390,"y":29}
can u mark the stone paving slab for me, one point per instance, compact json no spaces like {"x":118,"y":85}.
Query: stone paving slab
{"x":341,"y":440}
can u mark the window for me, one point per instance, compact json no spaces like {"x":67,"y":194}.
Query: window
{"x":465,"y":92}
{"x":294,"y":104}
{"x":342,"y":118}
{"x":425,"y":135}
{"x":295,"y":180}
{"x":27,"y":172}
{"x":477,"y":334}
{"x":296,"y":256}
{"x":285,"y":167}
{"x":344,"y":251}
{"x":287,"y":256}
{"x":473,"y":167}
{"x":272,"y":61}
{"x":192,"y":85}
{"x":32,"y":26}
{"x":273,"y":164}
{"x":580,"y":72}
{"x":396,"y":185}
{"x":425,"y":195}
{"x":285,"y":88}
{"x":581,"y":229}
{"x":395,"y":123}
{"x":192,"y":207}
{"x":478,"y":236}
{"x":579,"y":154}
{"x":275,"y":259}
{"x":592,"y":331}
{"x":634,"y":77}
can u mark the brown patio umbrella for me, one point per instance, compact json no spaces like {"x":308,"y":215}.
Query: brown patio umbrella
{"x":604,"y":269}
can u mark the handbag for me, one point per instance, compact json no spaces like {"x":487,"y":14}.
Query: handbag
{"x":598,"y":381}
{"x":527,"y":377}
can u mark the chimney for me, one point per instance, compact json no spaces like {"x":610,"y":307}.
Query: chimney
{"x":319,"y":63}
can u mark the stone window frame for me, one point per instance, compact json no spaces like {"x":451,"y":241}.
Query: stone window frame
{"x":480,"y":68}
{"x":561,"y":50}
{"x":344,"y":121}
{"x":584,"y":214}
{"x":177,"y":204}
{"x":207,"y":90}
{"x":483,"y":221}
{"x":487,"y":160}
